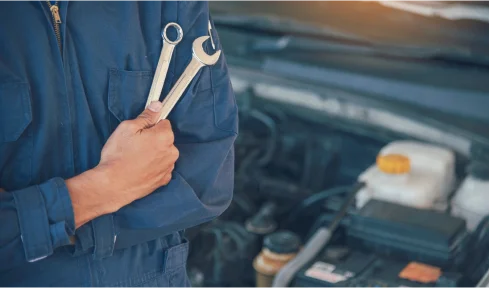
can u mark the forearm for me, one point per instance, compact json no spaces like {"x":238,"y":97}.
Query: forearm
{"x":88,"y":193}
{"x":205,"y":123}
{"x":196,"y":194}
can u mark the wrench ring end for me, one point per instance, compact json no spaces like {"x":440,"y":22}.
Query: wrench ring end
{"x":179,"y":33}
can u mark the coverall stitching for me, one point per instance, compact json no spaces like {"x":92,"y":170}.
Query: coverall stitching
{"x":30,"y":133}
{"x":68,"y":130}
{"x":43,"y":247}
{"x":214,"y":107}
{"x":93,"y":277}
{"x":214,"y":94}
{"x":46,"y":236}
{"x":207,"y":142}
{"x":110,"y":115}
{"x":172,"y":276}
{"x":63,"y":204}
{"x":28,"y":121}
{"x":110,"y":98}
{"x":148,"y":276}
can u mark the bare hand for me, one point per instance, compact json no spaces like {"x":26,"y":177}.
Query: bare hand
{"x":138,"y":158}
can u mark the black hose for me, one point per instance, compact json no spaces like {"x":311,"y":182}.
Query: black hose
{"x":314,"y":199}
{"x":344,"y":208}
{"x":272,"y":143}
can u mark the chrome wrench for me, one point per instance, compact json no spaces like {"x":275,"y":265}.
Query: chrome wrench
{"x":163,"y":62}
{"x":199,"y":60}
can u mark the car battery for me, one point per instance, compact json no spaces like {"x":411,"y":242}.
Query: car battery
{"x":342,"y":267}
{"x":408,"y":233}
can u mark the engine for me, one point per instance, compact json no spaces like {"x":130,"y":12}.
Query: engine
{"x":320,"y":205}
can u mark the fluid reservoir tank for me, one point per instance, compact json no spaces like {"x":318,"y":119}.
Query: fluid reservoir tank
{"x":410,"y":173}
{"x":471,"y":200}
{"x":278,"y":249}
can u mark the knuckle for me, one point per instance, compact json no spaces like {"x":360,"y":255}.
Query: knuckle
{"x":130,"y":125}
{"x":166,"y":124}
{"x":170,"y":137}
{"x":174,"y":152}
{"x":146,"y":121}
{"x":144,"y":115}
{"x":170,"y":170}
{"x":167,"y":178}
{"x":166,"y":139}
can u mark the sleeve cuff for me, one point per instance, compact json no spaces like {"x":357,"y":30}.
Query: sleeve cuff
{"x":46,"y":218}
{"x":59,"y":210}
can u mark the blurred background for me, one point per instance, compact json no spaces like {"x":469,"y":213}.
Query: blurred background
{"x":363,"y":153}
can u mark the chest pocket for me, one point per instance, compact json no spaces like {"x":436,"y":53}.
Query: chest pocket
{"x":128,"y":92}
{"x":16,"y":144}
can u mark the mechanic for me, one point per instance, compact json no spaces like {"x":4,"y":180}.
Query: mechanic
{"x":92,"y":193}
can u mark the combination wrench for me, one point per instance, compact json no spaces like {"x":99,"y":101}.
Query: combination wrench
{"x":163,"y":63}
{"x":199,"y":60}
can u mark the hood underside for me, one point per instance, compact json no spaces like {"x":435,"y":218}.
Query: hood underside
{"x":455,"y":10}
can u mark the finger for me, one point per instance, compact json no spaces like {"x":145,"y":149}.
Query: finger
{"x":150,"y":116}
{"x":168,"y":175}
{"x":2,"y":190}
{"x":167,"y":179}
{"x":164,"y":125}
{"x":170,"y":170}
{"x":164,"y":131}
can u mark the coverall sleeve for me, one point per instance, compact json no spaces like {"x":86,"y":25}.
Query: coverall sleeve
{"x":205,"y":123}
{"x":34,"y":221}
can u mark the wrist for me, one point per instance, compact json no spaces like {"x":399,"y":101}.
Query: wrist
{"x":88,"y":195}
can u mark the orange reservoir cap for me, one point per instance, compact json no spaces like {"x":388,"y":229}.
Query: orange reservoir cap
{"x":393,"y":164}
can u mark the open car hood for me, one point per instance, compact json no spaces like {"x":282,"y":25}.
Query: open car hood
{"x":461,"y":26}
{"x":452,"y":10}
{"x":446,"y":95}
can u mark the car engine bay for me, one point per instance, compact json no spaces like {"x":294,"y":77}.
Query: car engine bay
{"x":295,"y":177}
{"x":363,"y":151}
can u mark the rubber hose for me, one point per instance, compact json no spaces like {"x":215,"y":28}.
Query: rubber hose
{"x":315,"y":244}
{"x":312,"y":248}
{"x":315,"y":198}
{"x":272,"y":142}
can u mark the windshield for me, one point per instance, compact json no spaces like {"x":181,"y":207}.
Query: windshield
{"x":372,"y":21}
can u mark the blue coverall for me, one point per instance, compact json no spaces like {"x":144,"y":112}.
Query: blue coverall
{"x":58,"y":108}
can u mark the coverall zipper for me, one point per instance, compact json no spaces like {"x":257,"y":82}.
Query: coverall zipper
{"x":56,"y":21}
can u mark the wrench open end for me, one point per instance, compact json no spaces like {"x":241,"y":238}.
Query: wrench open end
{"x":201,"y":55}
{"x":199,"y":60}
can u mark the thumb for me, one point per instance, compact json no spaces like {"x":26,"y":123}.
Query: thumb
{"x":150,"y":115}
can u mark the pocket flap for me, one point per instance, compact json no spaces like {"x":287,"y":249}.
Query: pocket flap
{"x":176,"y":257}
{"x":15,"y":110}
{"x":128,"y":92}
